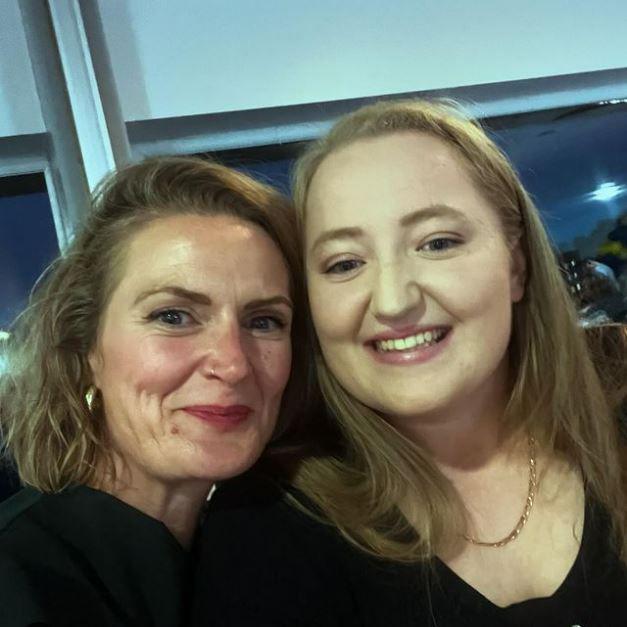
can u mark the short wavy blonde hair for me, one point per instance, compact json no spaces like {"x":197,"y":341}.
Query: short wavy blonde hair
{"x":47,"y":429}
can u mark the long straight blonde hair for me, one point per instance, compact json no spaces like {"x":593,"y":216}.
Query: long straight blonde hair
{"x":556,"y":394}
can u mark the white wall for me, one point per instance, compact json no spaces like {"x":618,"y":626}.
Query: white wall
{"x":20,"y":113}
{"x":205,"y":56}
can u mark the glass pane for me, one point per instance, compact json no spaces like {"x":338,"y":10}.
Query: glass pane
{"x":28,"y":244}
{"x":270,"y":164}
{"x":572,"y":161}
{"x":28,"y":241}
{"x":573,"y":164}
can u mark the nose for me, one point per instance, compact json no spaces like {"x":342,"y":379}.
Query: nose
{"x":226,"y":357}
{"x":395,"y":292}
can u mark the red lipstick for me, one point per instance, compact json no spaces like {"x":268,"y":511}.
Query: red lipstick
{"x":224,"y":417}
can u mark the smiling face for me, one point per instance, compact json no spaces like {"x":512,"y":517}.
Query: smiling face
{"x":411,"y":281}
{"x":194,"y":349}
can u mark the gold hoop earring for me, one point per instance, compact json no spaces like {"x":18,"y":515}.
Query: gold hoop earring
{"x":90,"y":397}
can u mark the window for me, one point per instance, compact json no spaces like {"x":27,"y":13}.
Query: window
{"x":572,"y":161}
{"x":28,"y":241}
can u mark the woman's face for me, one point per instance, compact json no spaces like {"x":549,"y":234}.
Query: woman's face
{"x":411,"y":280}
{"x":194,"y":348}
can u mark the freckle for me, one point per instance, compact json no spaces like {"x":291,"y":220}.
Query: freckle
{"x":174,"y":430}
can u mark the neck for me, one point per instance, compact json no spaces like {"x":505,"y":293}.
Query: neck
{"x":176,"y":504}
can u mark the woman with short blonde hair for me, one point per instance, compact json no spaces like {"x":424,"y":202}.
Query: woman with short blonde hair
{"x":149,"y":364}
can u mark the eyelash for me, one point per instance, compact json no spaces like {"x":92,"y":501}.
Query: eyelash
{"x":450,"y":240}
{"x":157,"y":316}
{"x":276,"y":322}
{"x":335,"y":268}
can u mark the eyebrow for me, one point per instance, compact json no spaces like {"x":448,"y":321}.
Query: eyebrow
{"x":411,"y":219}
{"x":266,"y":302}
{"x":349,"y":232}
{"x":175,"y":290}
{"x":433,"y":211}
{"x":203,"y":299}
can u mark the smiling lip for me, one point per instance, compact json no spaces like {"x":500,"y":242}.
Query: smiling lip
{"x":223,"y":416}
{"x":406,"y":331}
{"x":415,"y":355}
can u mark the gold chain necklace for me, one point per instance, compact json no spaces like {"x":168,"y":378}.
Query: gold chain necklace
{"x":531,"y":495}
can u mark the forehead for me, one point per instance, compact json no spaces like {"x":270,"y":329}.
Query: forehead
{"x":397,"y":173}
{"x":198,"y":250}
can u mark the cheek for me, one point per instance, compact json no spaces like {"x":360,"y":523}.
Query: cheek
{"x":478,"y":290}
{"x":273,"y":366}
{"x":155,"y":365}
{"x":336,"y":310}
{"x":480,"y":301}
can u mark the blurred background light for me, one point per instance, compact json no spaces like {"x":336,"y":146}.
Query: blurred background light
{"x":607,"y":191}
{"x":3,"y":366}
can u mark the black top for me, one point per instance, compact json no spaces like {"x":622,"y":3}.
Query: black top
{"x":264,"y":563}
{"x":83,"y":557}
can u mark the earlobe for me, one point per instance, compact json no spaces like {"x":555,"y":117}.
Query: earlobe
{"x":94,"y":361}
{"x":518,"y":273}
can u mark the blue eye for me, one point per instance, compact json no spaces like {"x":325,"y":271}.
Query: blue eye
{"x":171,"y":317}
{"x":266,"y":324}
{"x":440,"y":244}
{"x":344,"y":266}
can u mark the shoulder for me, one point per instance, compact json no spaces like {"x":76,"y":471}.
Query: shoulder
{"x":24,"y":531}
{"x":265,"y":561}
{"x":18,"y":506}
{"x":252,"y":491}
{"x":27,"y":558}
{"x":31,"y":517}
{"x":261,"y":558}
{"x":260,"y":517}
{"x":81,"y":557}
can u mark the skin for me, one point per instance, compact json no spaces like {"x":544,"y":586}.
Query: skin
{"x":201,"y":316}
{"x":390,"y":277}
{"x":399,"y":238}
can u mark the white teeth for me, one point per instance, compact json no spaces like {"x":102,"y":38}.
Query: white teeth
{"x":411,"y":341}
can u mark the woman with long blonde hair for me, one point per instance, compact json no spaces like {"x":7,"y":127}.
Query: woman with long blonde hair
{"x":478,"y":472}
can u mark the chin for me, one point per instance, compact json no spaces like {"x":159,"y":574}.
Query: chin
{"x":409,"y":407}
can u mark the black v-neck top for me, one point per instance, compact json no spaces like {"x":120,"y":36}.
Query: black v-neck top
{"x":594,"y":592}
{"x":84,"y":558}
{"x":264,"y":563}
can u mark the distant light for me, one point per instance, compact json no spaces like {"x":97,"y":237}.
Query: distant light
{"x":607,"y":191}
{"x":613,"y":101}
{"x":4,"y":335}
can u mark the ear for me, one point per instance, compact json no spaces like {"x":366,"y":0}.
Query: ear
{"x":518,"y":273}
{"x":94,"y":359}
